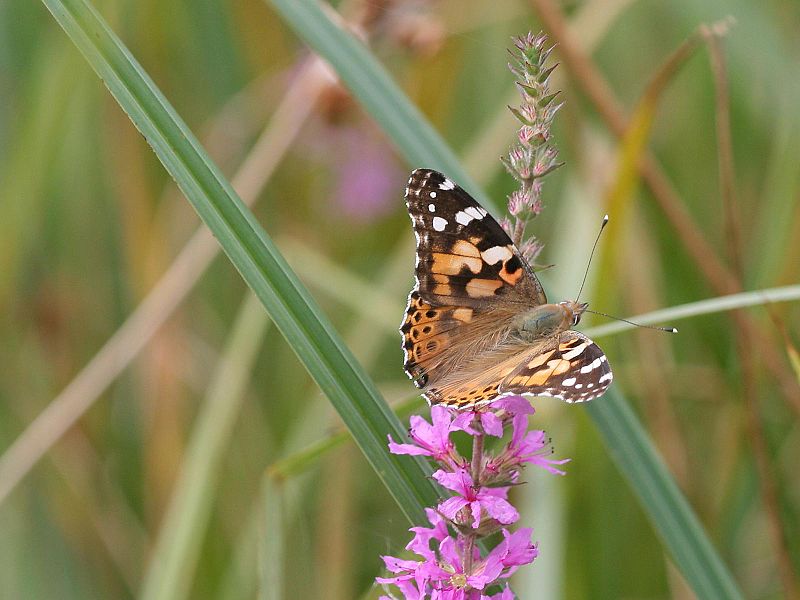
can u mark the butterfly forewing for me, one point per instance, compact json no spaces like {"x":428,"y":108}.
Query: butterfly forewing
{"x":464,"y":258}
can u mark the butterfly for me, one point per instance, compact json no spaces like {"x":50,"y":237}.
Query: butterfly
{"x":478,"y":325}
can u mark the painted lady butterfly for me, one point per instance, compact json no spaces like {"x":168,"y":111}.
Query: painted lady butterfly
{"x":478,"y":325}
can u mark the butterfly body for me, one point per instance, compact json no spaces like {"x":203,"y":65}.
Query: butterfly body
{"x":478,"y":324}
{"x":548,"y":319}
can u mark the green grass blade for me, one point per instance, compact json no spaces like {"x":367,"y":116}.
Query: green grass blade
{"x":298,"y":462}
{"x":667,"y":316}
{"x":173,"y":562}
{"x":272,"y":541}
{"x":682,"y":533}
{"x":288,"y":303}
{"x":670,"y":513}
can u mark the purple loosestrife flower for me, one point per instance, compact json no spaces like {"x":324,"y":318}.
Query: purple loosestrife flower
{"x":443,"y":573}
{"x":421,"y":542}
{"x":431,"y":439}
{"x":451,"y":566}
{"x":476,"y":498}
{"x":525,"y":446}
{"x":487,"y":421}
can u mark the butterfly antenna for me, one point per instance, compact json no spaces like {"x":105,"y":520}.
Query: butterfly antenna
{"x":667,"y":329}
{"x":591,"y":256}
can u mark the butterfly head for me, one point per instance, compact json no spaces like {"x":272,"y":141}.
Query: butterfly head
{"x":574,"y":310}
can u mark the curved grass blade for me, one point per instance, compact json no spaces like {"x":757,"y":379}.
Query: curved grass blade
{"x":288,"y":303}
{"x":681,"y":531}
{"x":709,"y":306}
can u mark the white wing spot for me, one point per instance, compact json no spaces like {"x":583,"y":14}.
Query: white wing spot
{"x":591,"y":366}
{"x":463,"y":218}
{"x":589,"y":385}
{"x":433,"y":194}
{"x":475,"y":212}
{"x":568,"y":382}
{"x":495,"y":254}
{"x":432,"y":207}
{"x":607,"y":377}
{"x":578,"y":386}
{"x":576,"y":352}
{"x":447,"y":185}
{"x":439,"y":223}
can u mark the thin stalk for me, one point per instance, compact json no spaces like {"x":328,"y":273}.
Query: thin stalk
{"x":476,"y":464}
{"x":174,"y":559}
{"x":754,"y":421}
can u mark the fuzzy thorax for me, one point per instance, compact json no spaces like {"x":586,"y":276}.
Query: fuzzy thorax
{"x":548,"y":319}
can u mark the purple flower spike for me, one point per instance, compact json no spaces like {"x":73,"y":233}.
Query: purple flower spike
{"x":492,"y":500}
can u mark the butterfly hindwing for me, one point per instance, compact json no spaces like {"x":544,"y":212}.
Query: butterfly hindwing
{"x":464,"y":257}
{"x":574,"y":370}
{"x":474,"y":387}
{"x":427,"y":334}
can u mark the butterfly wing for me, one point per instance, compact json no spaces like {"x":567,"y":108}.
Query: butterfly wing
{"x":574,"y":369}
{"x":466,"y":266}
{"x":478,"y":383}
{"x":464,"y":258}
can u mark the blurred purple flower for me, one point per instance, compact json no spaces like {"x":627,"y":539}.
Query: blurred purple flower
{"x":368,"y":175}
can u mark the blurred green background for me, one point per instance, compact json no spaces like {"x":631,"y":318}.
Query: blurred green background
{"x":90,"y":222}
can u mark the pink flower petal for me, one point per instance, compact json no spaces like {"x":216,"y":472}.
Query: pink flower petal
{"x":491,"y":424}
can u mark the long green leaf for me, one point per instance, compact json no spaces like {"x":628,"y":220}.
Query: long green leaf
{"x":668,"y":510}
{"x":289,"y":305}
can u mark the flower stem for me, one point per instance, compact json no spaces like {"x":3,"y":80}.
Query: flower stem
{"x":476,"y":467}
{"x":469,"y":551}
{"x":521,"y":222}
{"x":477,"y":459}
